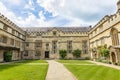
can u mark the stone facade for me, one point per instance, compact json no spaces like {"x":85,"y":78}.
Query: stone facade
{"x":107,"y":32}
{"x":46,"y":42}
{"x":41,"y":43}
{"x":11,"y":39}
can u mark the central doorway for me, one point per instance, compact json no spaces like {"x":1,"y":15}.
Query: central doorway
{"x":46,"y":54}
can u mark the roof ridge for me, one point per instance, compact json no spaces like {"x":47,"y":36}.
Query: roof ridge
{"x":64,"y":29}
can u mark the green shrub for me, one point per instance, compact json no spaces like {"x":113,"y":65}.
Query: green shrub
{"x":7,"y":56}
{"x":105,"y":52}
{"x":63,"y":54}
{"x":98,"y":60}
{"x":119,"y":64}
{"x":76,"y":53}
{"x":105,"y":61}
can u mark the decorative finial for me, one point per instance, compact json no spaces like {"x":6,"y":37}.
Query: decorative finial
{"x":118,"y":4}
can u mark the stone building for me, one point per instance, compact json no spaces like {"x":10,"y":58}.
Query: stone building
{"x":107,"y":31}
{"x":11,"y":39}
{"x":45,"y":42}
{"x":41,"y":43}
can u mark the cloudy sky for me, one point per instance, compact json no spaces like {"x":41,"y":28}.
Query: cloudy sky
{"x":47,"y":13}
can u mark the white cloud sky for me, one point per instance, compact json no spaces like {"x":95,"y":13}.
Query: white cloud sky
{"x":76,"y":12}
{"x":74,"y":8}
{"x":15,"y":2}
{"x":30,"y":5}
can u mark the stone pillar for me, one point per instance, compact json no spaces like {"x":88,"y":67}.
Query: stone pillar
{"x":1,"y":56}
{"x":13,"y":55}
{"x":91,"y":54}
{"x":119,"y":37}
{"x":110,"y":57}
{"x":116,"y":56}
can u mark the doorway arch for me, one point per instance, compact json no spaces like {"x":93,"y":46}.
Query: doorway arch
{"x":113,"y":56}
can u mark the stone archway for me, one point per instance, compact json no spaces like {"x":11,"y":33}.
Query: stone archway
{"x":113,"y":56}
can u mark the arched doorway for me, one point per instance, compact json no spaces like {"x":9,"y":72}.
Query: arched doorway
{"x":113,"y":57}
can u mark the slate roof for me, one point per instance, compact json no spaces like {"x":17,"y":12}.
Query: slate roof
{"x":63,"y":29}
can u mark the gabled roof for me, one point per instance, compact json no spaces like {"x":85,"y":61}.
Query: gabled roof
{"x":63,"y":29}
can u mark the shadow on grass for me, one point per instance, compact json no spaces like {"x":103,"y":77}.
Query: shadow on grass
{"x":4,"y":66}
{"x":32,"y":61}
{"x":25,"y":61}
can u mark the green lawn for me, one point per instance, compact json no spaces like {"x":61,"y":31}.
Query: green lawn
{"x":92,"y":72}
{"x":20,"y":71}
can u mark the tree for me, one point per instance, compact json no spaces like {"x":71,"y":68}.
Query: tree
{"x":8,"y":56}
{"x":105,"y":52}
{"x":63,"y":53}
{"x":76,"y":53}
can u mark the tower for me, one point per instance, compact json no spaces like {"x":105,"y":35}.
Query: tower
{"x":118,"y":4}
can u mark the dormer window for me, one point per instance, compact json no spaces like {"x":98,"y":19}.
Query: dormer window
{"x":54,"y":33}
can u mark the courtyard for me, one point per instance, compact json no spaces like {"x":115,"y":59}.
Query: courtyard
{"x":39,"y":40}
{"x":40,"y":70}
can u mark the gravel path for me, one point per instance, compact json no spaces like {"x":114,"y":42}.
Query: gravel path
{"x":108,"y":65}
{"x":57,"y":71}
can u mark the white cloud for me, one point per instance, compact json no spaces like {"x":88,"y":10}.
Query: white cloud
{"x":30,"y":21}
{"x":15,"y":2}
{"x":7,"y":12}
{"x":78,"y":22}
{"x":48,"y":5}
{"x":71,"y":7}
{"x":41,"y":15}
{"x":75,"y":11}
{"x":81,"y":10}
{"x":30,"y":5}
